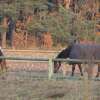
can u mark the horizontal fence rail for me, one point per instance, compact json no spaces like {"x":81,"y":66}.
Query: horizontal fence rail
{"x":23,"y":58}
{"x":47,"y":59}
{"x":33,"y":50}
{"x":78,"y":60}
{"x":50,"y":61}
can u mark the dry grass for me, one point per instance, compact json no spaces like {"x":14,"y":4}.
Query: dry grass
{"x":24,"y":85}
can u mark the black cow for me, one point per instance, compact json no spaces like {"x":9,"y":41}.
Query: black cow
{"x":79,"y":51}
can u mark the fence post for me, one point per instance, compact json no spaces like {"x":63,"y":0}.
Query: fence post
{"x":50,"y":72}
{"x":65,"y":66}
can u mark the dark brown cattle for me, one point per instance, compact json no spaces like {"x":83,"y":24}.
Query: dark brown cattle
{"x":79,"y":51}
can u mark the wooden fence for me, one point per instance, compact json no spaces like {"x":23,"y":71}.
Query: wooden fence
{"x":49,"y":60}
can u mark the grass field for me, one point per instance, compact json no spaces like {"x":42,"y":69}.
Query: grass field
{"x":32,"y":85}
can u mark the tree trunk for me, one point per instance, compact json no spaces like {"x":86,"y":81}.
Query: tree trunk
{"x":4,"y":40}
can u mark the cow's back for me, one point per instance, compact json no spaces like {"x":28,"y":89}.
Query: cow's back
{"x":85,"y":51}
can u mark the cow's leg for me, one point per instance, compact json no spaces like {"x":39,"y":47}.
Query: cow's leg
{"x":3,"y":65}
{"x":58,"y":65}
{"x":80,"y":68}
{"x":98,"y":73}
{"x":73,"y":69}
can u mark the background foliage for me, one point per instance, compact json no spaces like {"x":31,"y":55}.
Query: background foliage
{"x":61,"y":25}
